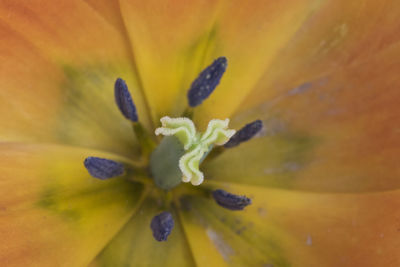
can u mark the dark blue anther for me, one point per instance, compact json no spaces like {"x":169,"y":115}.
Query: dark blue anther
{"x":230,"y":201}
{"x":205,"y":84}
{"x":103,"y":168}
{"x":244,"y":134}
{"x":124,"y":100}
{"x":162,"y":225}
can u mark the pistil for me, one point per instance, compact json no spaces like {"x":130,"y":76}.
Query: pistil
{"x":194,"y":144}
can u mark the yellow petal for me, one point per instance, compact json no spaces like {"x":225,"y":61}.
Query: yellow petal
{"x":52,"y":211}
{"x":134,"y":245}
{"x":337,"y":133}
{"x":60,"y":61}
{"x":173,"y":42}
{"x":169,"y":42}
{"x":286,"y":228}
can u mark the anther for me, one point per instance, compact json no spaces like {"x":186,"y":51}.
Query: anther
{"x":230,"y":201}
{"x":206,"y":82}
{"x":244,"y":134}
{"x":103,"y":168}
{"x":162,"y":225}
{"x":124,"y":100}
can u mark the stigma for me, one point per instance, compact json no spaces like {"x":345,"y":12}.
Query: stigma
{"x":196,"y":145}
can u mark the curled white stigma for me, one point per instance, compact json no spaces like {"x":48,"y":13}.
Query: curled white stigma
{"x":196,"y":144}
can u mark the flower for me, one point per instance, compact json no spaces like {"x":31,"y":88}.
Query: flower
{"x":322,"y":175}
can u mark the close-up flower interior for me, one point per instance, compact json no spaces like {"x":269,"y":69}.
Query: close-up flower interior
{"x":200,"y":133}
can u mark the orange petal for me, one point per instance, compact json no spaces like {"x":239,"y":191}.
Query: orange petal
{"x":60,"y":61}
{"x":110,"y":11}
{"x":285,"y":228}
{"x":250,"y":34}
{"x":336,"y":133}
{"x":336,"y":35}
{"x":135,"y":246}
{"x":52,"y":211}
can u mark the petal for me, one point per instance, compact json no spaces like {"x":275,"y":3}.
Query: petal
{"x":249,"y":34}
{"x":336,"y":133}
{"x":287,"y":228}
{"x":53,"y":212}
{"x":169,"y":41}
{"x":109,"y":10}
{"x":220,"y":237}
{"x":60,"y":61}
{"x":195,"y":33}
{"x":336,"y":35}
{"x":135,"y":245}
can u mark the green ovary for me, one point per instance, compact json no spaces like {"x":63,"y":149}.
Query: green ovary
{"x":196,"y":145}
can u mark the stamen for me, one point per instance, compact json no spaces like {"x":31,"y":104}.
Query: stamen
{"x":245,"y":134}
{"x":124,"y":100}
{"x":162,"y":225}
{"x":230,"y":201}
{"x":125,"y":104}
{"x":207,"y":81}
{"x":103,"y":168}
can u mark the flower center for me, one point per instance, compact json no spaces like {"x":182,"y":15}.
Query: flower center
{"x":178,"y":156}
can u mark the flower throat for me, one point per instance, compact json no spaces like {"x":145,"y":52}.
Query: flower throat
{"x":177,"y":157}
